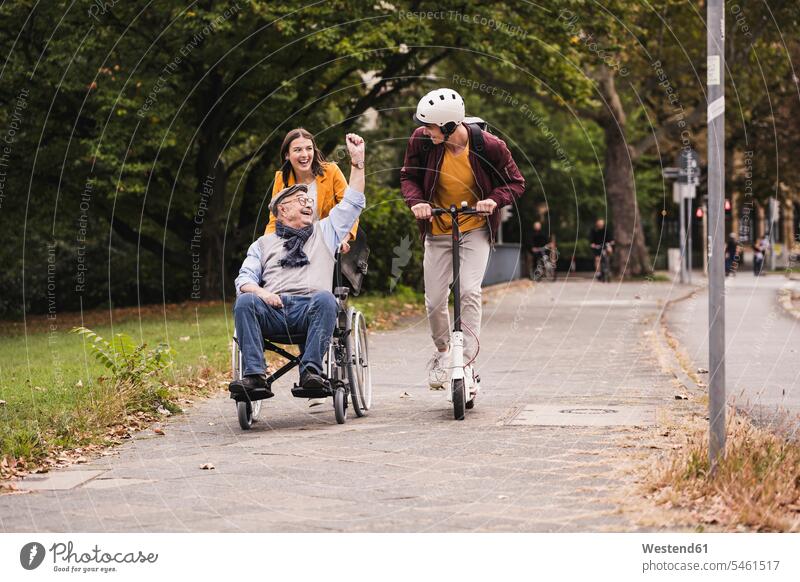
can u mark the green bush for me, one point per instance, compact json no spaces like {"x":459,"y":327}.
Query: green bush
{"x":127,"y":361}
{"x":395,"y":251}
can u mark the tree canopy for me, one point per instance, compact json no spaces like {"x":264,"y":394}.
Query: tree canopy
{"x":141,"y":140}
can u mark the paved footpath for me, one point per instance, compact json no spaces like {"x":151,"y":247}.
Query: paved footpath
{"x":762,"y":343}
{"x":572,"y":387}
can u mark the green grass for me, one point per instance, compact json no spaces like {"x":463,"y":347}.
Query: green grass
{"x":54,"y":397}
{"x":54,"y":393}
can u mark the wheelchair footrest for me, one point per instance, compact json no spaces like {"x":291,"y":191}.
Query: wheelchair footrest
{"x":300,"y":392}
{"x":252,"y":395}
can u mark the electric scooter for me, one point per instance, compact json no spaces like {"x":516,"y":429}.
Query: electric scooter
{"x":458,"y":389}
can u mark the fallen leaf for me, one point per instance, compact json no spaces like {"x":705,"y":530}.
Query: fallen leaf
{"x":681,"y":397}
{"x":207,"y":466}
{"x":185,"y":338}
{"x":702,"y":371}
{"x":79,"y":384}
{"x":502,"y":496}
{"x":406,"y":395}
{"x":3,"y":402}
{"x":163,"y":411}
{"x":211,"y":423}
{"x":158,"y":431}
{"x":81,"y":460}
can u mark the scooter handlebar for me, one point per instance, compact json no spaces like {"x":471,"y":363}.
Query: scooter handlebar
{"x":462,"y":210}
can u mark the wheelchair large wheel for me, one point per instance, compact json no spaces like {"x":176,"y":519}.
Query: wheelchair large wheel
{"x":361,"y":361}
{"x":249,"y":414}
{"x":340,"y":405}
{"x":351,"y":367}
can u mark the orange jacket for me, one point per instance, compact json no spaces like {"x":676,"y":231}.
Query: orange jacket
{"x":330,"y":191}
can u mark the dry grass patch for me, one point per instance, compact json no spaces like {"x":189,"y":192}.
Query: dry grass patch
{"x":756,"y":486}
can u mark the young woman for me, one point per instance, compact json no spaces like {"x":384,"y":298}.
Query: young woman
{"x":303,"y":163}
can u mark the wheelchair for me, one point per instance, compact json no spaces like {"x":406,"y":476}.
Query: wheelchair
{"x":346,"y":363}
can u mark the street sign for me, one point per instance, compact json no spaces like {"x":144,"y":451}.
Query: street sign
{"x":682,"y":191}
{"x":689,"y":170}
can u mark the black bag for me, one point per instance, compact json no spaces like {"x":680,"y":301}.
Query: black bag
{"x":351,"y":267}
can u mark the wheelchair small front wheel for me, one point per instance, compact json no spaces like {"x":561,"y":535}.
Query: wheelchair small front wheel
{"x":340,"y":405}
{"x":244,"y":409}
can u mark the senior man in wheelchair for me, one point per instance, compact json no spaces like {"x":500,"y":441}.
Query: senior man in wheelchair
{"x":284,"y":285}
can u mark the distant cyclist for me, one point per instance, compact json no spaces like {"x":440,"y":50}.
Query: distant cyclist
{"x":443,"y":165}
{"x":599,"y":237}
{"x":541,"y":245}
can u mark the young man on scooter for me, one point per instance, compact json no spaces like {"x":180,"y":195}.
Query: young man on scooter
{"x":448,"y":163}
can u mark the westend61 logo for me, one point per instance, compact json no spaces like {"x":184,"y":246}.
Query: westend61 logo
{"x":66,"y":559}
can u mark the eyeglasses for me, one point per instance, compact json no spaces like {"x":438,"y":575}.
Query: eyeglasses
{"x":303,"y":200}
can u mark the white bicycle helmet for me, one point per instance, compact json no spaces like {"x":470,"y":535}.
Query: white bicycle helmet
{"x":442,"y":107}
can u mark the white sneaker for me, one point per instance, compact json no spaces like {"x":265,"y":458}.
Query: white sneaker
{"x":438,"y":369}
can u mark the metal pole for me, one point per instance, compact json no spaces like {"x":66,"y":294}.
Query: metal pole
{"x":773,"y":203}
{"x":689,"y":236}
{"x":715,"y":46}
{"x":682,"y":203}
{"x":705,"y":239}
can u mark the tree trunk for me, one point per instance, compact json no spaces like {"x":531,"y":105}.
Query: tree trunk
{"x":207,"y":242}
{"x":631,"y":256}
{"x":212,"y":176}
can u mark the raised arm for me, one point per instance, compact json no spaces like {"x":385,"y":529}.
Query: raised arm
{"x":342,"y":217}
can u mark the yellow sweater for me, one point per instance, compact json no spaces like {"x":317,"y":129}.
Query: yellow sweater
{"x":455,"y":184}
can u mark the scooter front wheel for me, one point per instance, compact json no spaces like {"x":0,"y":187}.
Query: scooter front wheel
{"x":459,"y":398}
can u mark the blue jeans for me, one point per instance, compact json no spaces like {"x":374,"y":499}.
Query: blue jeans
{"x":307,"y":320}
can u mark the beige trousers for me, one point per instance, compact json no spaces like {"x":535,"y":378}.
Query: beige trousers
{"x":438,"y":269}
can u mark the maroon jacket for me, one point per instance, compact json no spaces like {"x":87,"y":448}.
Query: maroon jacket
{"x":418,"y":176}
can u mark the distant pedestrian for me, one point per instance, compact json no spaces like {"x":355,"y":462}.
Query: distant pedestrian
{"x":760,"y":250}
{"x":600,"y":240}
{"x":731,"y":255}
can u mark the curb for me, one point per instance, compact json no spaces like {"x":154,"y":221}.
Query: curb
{"x":678,"y":369}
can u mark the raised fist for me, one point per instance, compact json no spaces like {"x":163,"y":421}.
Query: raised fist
{"x":355,"y":147}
